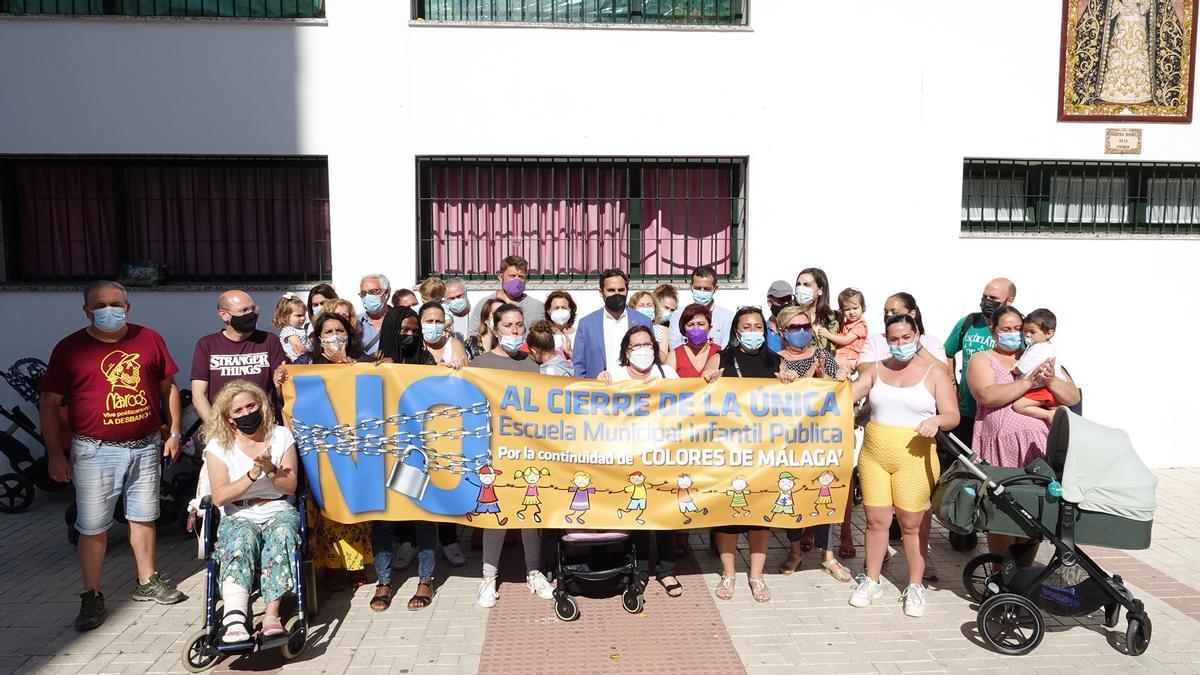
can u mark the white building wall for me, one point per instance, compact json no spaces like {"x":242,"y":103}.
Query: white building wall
{"x":856,"y":119}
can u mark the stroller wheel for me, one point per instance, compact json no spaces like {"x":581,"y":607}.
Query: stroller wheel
{"x":295,"y":644}
{"x":1011,"y":624}
{"x":198,"y":654}
{"x":632,"y":600}
{"x":16,"y":493}
{"x":978,"y":574}
{"x":1137,"y":634}
{"x":566,"y":609}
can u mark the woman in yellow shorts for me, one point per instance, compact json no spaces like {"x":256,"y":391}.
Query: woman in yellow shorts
{"x":911,"y":399}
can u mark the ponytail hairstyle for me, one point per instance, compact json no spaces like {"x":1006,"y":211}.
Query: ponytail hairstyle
{"x":910,"y":303}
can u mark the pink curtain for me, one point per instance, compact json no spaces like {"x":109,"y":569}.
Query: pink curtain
{"x":66,"y":221}
{"x":687,"y":216}
{"x":563,"y":219}
{"x":230,"y":220}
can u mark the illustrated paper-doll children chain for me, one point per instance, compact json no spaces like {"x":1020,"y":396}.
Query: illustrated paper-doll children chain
{"x":683,"y":494}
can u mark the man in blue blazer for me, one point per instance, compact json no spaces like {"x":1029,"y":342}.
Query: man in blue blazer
{"x":598,"y":335}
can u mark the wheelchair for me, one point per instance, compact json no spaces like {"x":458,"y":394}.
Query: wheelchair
{"x":204,"y":648}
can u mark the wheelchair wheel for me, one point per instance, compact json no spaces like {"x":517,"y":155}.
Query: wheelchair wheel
{"x":198,"y":654}
{"x":978,"y":574}
{"x":566,"y":609}
{"x":295,"y":643}
{"x":1011,"y":624}
{"x":16,"y":493}
{"x":1137,"y":633}
{"x":632,"y":600}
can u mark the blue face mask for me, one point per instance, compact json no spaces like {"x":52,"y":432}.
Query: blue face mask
{"x":753,"y":341}
{"x":648,"y":312}
{"x":457,"y":305}
{"x":701,"y":297}
{"x":109,"y":319}
{"x":798,"y":339}
{"x":1010,"y":341}
{"x":372,"y":303}
{"x":512,"y":343}
{"x":432,"y":332}
{"x":664,"y":315}
{"x":904,"y":352}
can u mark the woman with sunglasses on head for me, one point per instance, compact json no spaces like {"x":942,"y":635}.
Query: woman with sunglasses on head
{"x":801,"y":356}
{"x":747,"y":356}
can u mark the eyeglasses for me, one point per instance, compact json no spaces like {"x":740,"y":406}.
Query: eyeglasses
{"x":373,"y":291}
{"x":795,"y":326}
{"x":633,"y":346}
{"x":755,"y":308}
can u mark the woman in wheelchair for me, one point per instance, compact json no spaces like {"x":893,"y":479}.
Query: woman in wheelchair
{"x":252,"y":471}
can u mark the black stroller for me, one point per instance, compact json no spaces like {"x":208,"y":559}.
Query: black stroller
{"x":205,"y":647}
{"x":17,"y":487}
{"x":1091,"y":489}
{"x":589,"y":557}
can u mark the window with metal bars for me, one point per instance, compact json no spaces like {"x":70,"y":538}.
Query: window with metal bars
{"x":238,"y":9}
{"x":657,"y":218}
{"x":1075,"y":198}
{"x":204,"y":219}
{"x":664,"y":12}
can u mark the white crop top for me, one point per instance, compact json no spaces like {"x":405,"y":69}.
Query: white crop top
{"x":901,"y":406}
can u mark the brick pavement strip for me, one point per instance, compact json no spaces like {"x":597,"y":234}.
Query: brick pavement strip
{"x":807,"y":627}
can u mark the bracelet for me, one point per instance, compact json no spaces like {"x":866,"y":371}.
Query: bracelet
{"x":252,"y":479}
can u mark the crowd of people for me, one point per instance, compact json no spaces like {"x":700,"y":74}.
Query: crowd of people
{"x":993,"y":383}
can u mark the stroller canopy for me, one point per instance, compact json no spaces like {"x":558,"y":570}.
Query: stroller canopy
{"x":1101,"y":470}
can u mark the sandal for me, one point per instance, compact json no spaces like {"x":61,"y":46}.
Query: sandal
{"x":675,"y":589}
{"x":421,"y":600}
{"x":792,"y":563}
{"x":837,"y":570}
{"x":272,"y":626}
{"x":847,"y":550}
{"x":724,"y":589}
{"x":235,"y":632}
{"x":382,"y":599}
{"x":758,"y":588}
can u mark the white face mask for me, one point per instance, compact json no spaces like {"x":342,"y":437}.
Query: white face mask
{"x":560,"y":316}
{"x":804,"y":296}
{"x":336,"y":343}
{"x":642,"y":358}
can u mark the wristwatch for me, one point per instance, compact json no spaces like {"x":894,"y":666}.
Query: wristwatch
{"x":271,"y":473}
{"x":176,"y":435}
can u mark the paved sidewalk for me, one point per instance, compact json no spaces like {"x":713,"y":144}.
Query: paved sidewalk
{"x":807,"y":627}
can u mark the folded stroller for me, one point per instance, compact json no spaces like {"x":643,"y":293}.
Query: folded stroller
{"x":589,"y":557}
{"x":1090,"y":489}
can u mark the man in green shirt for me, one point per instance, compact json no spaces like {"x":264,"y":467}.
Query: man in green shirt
{"x":973,"y":333}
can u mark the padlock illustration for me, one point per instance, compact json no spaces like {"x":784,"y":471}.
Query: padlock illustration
{"x":408,"y":479}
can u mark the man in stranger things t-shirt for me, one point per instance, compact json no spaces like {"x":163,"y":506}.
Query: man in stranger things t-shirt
{"x":117,"y":381}
{"x":239,"y":351}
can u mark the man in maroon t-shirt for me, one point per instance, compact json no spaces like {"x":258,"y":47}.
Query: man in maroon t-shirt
{"x":117,"y":381}
{"x":239,"y":351}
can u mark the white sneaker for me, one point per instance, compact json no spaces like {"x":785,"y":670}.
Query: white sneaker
{"x":402,"y":556}
{"x":487,"y":593}
{"x":865,"y":591}
{"x":454,"y":555}
{"x":914,"y":600}
{"x":540,"y":586}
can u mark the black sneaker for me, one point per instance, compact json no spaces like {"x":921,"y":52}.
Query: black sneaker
{"x":91,"y":610}
{"x":158,"y":589}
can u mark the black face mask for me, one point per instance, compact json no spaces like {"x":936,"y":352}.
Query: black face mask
{"x":776,"y":309}
{"x":408,"y":345}
{"x":249,"y":423}
{"x":245,"y":323}
{"x":987,"y":307}
{"x":615,"y":303}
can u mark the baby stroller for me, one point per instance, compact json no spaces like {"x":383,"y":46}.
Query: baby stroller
{"x":204,"y":648}
{"x":586,"y":556}
{"x":17,"y":487}
{"x":1090,"y":489}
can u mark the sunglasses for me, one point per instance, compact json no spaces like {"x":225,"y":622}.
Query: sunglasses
{"x":796,"y":326}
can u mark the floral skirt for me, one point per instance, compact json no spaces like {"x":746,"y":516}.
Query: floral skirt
{"x":243,"y":545}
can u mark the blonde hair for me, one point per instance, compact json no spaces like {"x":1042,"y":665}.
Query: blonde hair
{"x":532,"y":472}
{"x":581,"y":474}
{"x":637,"y":297}
{"x":284,"y":309}
{"x":786,"y":314}
{"x":331,"y":306}
{"x":433,"y":288}
{"x":219,"y":428}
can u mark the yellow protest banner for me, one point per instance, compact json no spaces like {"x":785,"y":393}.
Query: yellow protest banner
{"x":501,"y":449}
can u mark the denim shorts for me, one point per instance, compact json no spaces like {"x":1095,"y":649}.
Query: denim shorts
{"x":103,"y":473}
